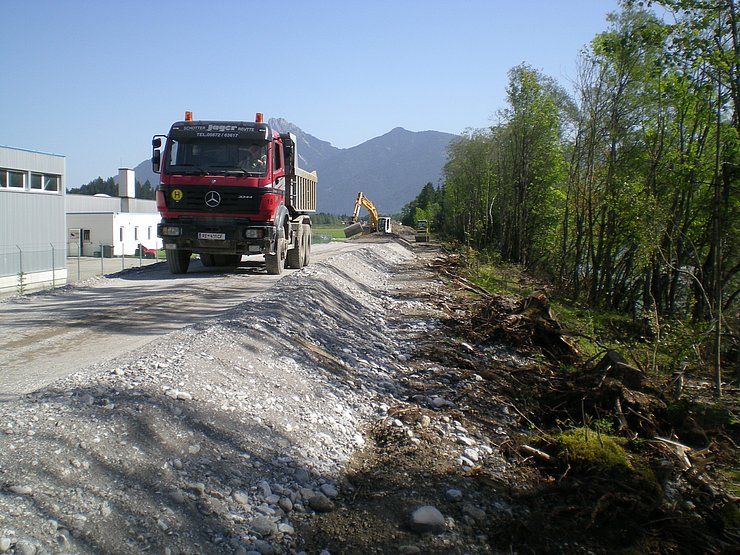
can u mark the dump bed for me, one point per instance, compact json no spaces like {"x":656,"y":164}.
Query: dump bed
{"x":301,"y":185}
{"x":302,"y":191}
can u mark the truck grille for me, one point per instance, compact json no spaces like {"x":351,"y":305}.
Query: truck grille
{"x":214,"y":200}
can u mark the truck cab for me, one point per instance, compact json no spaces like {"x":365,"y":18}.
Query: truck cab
{"x":230,"y":188}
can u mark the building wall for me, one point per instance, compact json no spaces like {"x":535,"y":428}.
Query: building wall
{"x":74,"y":203}
{"x":130,"y":230}
{"x":97,"y":230}
{"x":103,"y":203}
{"x":113,"y":233}
{"x":32,"y":220}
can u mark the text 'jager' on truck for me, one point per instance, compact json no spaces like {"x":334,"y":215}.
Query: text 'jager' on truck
{"x":232,"y":188}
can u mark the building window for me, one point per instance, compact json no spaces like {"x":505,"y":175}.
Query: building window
{"x":85,"y":234}
{"x":136,"y":233}
{"x":149,"y":232}
{"x":16,"y":180}
{"x":51,"y":182}
{"x":120,"y":234}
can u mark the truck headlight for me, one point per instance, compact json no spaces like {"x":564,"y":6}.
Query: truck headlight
{"x":254,"y":233}
{"x":170,"y":231}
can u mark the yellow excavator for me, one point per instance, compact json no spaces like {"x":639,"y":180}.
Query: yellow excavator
{"x":376,"y":223}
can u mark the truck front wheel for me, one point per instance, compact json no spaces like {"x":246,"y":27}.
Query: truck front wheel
{"x":275,"y":262}
{"x":178,"y":260}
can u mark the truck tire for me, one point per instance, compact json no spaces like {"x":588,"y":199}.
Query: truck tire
{"x":308,"y":240}
{"x":178,"y":260}
{"x":274,"y":263}
{"x":294,"y":258}
{"x":207,"y":259}
{"x":227,"y":259}
{"x":232,"y":260}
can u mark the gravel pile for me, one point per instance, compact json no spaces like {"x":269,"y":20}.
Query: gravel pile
{"x":215,"y":438}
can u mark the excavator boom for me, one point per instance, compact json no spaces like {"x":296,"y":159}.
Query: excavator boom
{"x":356,"y":227}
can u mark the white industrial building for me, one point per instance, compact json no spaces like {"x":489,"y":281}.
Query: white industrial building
{"x":111,"y":226}
{"x":33,"y":253}
{"x":41,"y":225}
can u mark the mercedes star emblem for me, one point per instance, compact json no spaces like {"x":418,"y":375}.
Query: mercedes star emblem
{"x":213,"y":199}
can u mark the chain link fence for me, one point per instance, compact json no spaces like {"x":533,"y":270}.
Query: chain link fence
{"x":15,"y":259}
{"x":30,"y":268}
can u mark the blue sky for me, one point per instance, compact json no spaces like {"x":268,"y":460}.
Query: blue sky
{"x":94,"y":80}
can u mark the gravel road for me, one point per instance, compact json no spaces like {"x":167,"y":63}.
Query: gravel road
{"x":48,"y":335}
{"x":204,"y":413}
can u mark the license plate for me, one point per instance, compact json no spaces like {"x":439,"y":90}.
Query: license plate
{"x":212,"y":236}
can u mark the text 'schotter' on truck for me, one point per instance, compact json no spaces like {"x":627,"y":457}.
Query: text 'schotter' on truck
{"x":230,"y":188}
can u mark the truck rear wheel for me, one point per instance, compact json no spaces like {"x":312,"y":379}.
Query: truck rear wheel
{"x":232,"y":260}
{"x":178,"y":260}
{"x":227,"y":259}
{"x":207,"y":260}
{"x":308,"y":239}
{"x":294,"y":258}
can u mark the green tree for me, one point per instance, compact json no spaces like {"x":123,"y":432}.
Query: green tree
{"x":427,"y":202}
{"x":533,"y":165}
{"x":629,"y":194}
{"x":97,"y":186}
{"x":144,"y":191}
{"x":470,"y":190}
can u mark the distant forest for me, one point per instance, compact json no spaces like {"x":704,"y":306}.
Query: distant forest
{"x":109,"y":187}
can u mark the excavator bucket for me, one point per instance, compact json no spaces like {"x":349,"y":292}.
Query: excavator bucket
{"x":353,"y":229}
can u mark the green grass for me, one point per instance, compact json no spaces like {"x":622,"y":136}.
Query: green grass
{"x":502,"y":279}
{"x":332,"y":232}
{"x":662,"y":345}
{"x":593,"y":329}
{"x":589,"y":447}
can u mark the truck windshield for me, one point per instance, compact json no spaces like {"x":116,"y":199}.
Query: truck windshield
{"x":209,"y":157}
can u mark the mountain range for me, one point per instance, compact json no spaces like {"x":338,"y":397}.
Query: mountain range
{"x":391,"y":169}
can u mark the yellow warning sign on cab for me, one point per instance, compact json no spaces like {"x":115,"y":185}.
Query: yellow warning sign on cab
{"x":176,"y":195}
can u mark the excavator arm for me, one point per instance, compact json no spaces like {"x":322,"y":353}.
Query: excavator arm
{"x":370,"y":207}
{"x":355,"y":228}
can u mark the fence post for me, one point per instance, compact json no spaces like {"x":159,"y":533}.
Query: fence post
{"x":20,"y":269}
{"x":102,"y":268}
{"x":53,"y":268}
{"x":79,"y":256}
{"x":123,"y":256}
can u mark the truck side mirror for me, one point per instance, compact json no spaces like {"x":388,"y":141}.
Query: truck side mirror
{"x":157,"y":153}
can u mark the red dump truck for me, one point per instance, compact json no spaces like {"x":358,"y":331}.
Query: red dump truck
{"x":232,"y":188}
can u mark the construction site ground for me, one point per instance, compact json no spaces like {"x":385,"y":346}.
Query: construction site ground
{"x":372,"y":402}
